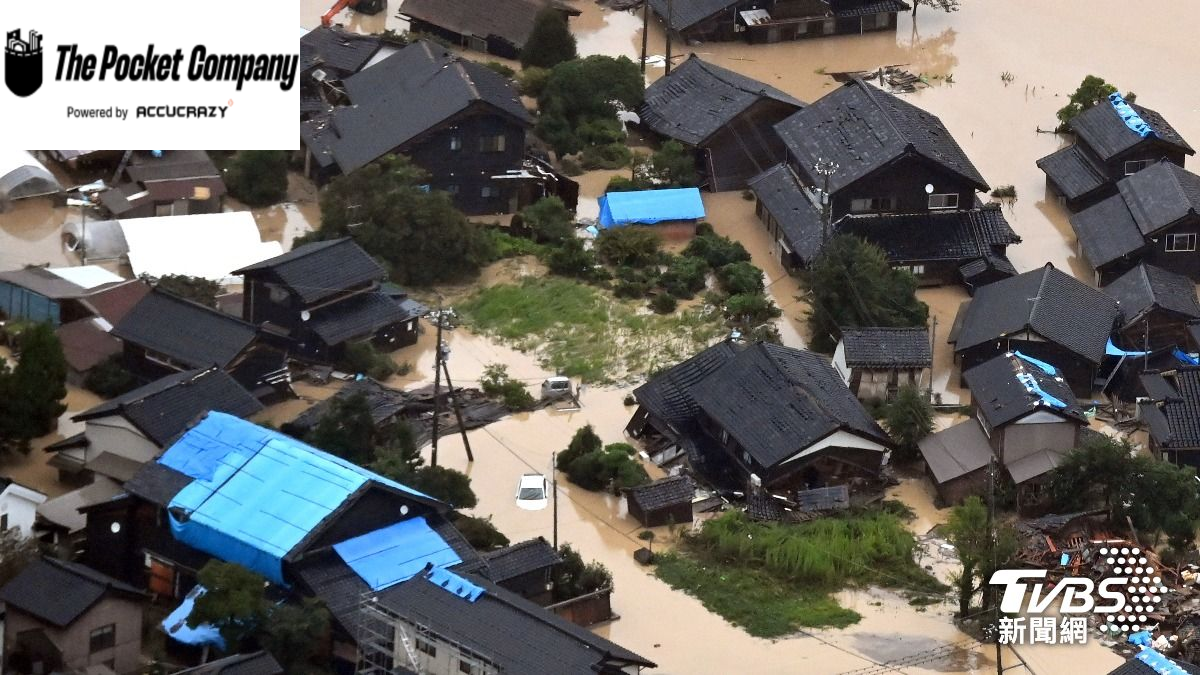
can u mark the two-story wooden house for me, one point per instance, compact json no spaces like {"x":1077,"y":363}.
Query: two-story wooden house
{"x":325,"y":295}
{"x":1153,"y":218}
{"x":1156,"y":307}
{"x":759,"y":21}
{"x":461,"y":122}
{"x":1114,"y":139}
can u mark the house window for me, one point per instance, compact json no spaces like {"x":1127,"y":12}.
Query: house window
{"x":487,"y":191}
{"x":426,"y":647}
{"x":102,"y":638}
{"x":466,"y":667}
{"x":1179,"y":243}
{"x":492,"y":143}
{"x":452,"y":189}
{"x":915,"y":270}
{"x":279,"y":294}
{"x":3,"y":522}
{"x":866,"y":204}
{"x":828,"y":26}
{"x":455,"y":143}
{"x":944,"y":201}
{"x":167,"y":209}
{"x":1135,"y":165}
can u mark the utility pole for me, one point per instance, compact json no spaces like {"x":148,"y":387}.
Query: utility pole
{"x":932,"y":354}
{"x":825,"y":169}
{"x":645,"y":31}
{"x":462,"y":428}
{"x":437,"y":384}
{"x":670,"y":24}
{"x":554,"y":491}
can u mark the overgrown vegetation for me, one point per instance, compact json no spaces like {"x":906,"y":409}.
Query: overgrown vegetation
{"x":418,"y":234}
{"x":550,"y":43}
{"x":1004,"y":192}
{"x":1091,"y":91}
{"x":908,"y":419}
{"x":573,"y":577}
{"x":852,"y":285}
{"x":32,"y":392}
{"x":109,"y":378}
{"x":365,"y":358}
{"x":772,"y":578}
{"x":979,"y":553}
{"x":594,"y":466}
{"x":258,"y":177}
{"x":671,"y":166}
{"x":549,"y":220}
{"x":480,"y":533}
{"x":497,"y":383}
{"x":633,"y":246}
{"x":576,"y":103}
{"x":196,"y":289}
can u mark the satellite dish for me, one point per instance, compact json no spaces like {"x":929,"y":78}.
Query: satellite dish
{"x":929,"y":188}
{"x":305,"y":315}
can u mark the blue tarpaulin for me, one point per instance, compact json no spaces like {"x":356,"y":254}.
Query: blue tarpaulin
{"x":176,"y":624}
{"x":650,"y":206}
{"x":1159,"y":663}
{"x":256,"y":493}
{"x":396,"y":553}
{"x":457,"y":585}
{"x":1042,"y":365}
{"x":1130,"y":116}
{"x":1112,"y":350}
{"x":1184,"y":357}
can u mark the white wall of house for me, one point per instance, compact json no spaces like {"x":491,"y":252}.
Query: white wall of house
{"x":839,"y":362}
{"x":838,"y":439}
{"x":18,"y":507}
{"x":117,"y":435}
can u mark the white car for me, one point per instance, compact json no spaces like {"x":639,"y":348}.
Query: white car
{"x":556,"y":387}
{"x":533,"y":492}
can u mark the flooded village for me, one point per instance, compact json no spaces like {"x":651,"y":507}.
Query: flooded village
{"x":773,"y":353}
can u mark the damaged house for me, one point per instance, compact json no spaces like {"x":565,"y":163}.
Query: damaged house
{"x":165,"y":183}
{"x":1113,"y":139}
{"x":725,"y":118}
{"x":761,"y":413}
{"x":498,"y":27}
{"x":775,"y":20}
{"x":876,"y":362}
{"x":1044,"y":313}
{"x":1172,"y":411}
{"x":1156,"y":308}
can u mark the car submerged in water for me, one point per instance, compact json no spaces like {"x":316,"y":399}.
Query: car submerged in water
{"x":533,"y":492}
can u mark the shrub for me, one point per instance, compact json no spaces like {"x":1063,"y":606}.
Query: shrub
{"x":258,"y":177}
{"x":573,"y":578}
{"x":363,"y":357}
{"x":631,"y":289}
{"x":685,"y":277}
{"x":1005,"y":192}
{"x":610,"y":156}
{"x":663,"y":303}
{"x":196,"y":289}
{"x":505,"y":245}
{"x":740,"y":278}
{"x":635,"y":246}
{"x":570,"y":167}
{"x":571,"y":259}
{"x":449,"y":485}
{"x":601,"y":132}
{"x":549,"y":220}
{"x":751,"y":308}
{"x":623,"y":184}
{"x":512,"y":393}
{"x":584,"y":441}
{"x":110,"y":378}
{"x":502,"y":69}
{"x":531,"y":81}
{"x":480,"y":533}
{"x":716,"y":250}
{"x":615,"y":465}
{"x":550,"y":42}
{"x":630,"y":399}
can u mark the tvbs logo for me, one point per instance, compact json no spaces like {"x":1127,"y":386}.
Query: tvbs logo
{"x":1122,"y":598}
{"x":23,"y":62}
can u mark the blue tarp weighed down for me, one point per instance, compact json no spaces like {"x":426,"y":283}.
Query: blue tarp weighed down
{"x":1184,"y":357}
{"x":445,"y":579}
{"x":176,"y":624}
{"x":650,"y":206}
{"x":1112,"y":350}
{"x":256,"y":493}
{"x":1130,"y":116}
{"x":396,"y":553}
{"x":1042,"y":365}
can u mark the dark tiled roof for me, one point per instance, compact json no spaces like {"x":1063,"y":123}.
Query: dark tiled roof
{"x":1105,"y":132}
{"x":848,"y":8}
{"x":662,"y":493}
{"x":799,"y":220}
{"x":1073,"y":171}
{"x":190,"y":333}
{"x":1147,"y":287}
{"x":402,"y":96}
{"x":336,"y":49}
{"x":1136,"y":667}
{"x":863,"y":129}
{"x":934,"y":235}
{"x":356,"y":317}
{"x":511,"y":20}
{"x":1107,"y":231}
{"x":956,"y":452}
{"x":1175,"y":421}
{"x":258,"y":663}
{"x":384,"y":402}
{"x":173,"y":165}
{"x":59,"y":592}
{"x":999,"y":263}
{"x":509,"y":631}
{"x":684,"y":15}
{"x":698,"y":98}
{"x":998,"y":390}
{"x":776,"y":401}
{"x":887,"y":347}
{"x":157,"y":483}
{"x":668,"y":395}
{"x":164,"y":408}
{"x":520,"y":558}
{"x":1052,"y":304}
{"x":321,"y":269}
{"x":116,"y":467}
{"x":1160,"y":195}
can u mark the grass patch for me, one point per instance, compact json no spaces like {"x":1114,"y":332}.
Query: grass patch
{"x":773,"y":578}
{"x":761,"y":604}
{"x":582,"y":331}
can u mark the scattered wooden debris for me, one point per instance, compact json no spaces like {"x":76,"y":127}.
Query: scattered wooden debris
{"x":894,"y":79}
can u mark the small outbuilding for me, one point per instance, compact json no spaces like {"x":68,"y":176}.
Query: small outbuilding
{"x":525,"y":568}
{"x":666,"y":501}
{"x":877,"y":362}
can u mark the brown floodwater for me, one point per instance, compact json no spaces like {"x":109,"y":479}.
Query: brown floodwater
{"x":31,"y":234}
{"x":33,"y":469}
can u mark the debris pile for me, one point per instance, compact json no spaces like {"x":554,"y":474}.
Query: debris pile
{"x":892,"y":79}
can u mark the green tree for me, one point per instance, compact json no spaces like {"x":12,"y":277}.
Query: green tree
{"x":549,"y":220}
{"x":740,"y":277}
{"x":346,"y":429}
{"x":852,"y":285}
{"x":196,"y":289}
{"x":747,"y":310}
{"x":297,"y":636}
{"x":582,"y":90}
{"x":1098,"y":472}
{"x":716,"y":250}
{"x":571,"y":259}
{"x":967,"y":529}
{"x":671,"y":166}
{"x":365,"y":357}
{"x":258,"y":177}
{"x":480,"y":533}
{"x":33,"y":391}
{"x":685,"y":276}
{"x":235,"y":602}
{"x":631,"y":245}
{"x":1091,"y":91}
{"x":496,"y":382}
{"x":944,"y":5}
{"x":448,"y":485}
{"x":584,"y":441}
{"x":909,"y":418}
{"x":550,"y":43}
{"x":419,"y":234}
{"x":573,"y":577}
{"x":16,"y":552}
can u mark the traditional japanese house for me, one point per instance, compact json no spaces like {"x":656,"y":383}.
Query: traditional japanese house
{"x":525,"y":568}
{"x":1172,"y":410}
{"x":1156,"y":306}
{"x":499,"y":27}
{"x":666,"y":501}
{"x":776,"y":20}
{"x":790,"y":214}
{"x":1044,"y":313}
{"x":725,"y":118}
{"x":1114,"y":138}
{"x":165,"y":183}
{"x":876,"y":362}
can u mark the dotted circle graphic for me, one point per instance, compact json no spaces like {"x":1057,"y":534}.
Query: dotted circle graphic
{"x":1142,"y":594}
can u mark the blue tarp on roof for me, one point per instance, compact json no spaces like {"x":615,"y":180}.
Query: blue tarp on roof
{"x":650,"y":206}
{"x":396,"y":553}
{"x":1159,"y":663}
{"x":1184,"y":357}
{"x":457,"y":585}
{"x":1130,"y":116}
{"x":1112,"y":350}
{"x":256,"y":492}
{"x":176,"y":624}
{"x":1042,"y":365}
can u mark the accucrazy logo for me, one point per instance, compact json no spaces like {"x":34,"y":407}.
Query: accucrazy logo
{"x":23,"y":62}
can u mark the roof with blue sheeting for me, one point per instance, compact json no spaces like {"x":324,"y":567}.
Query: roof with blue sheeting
{"x":256,"y":493}
{"x":396,"y":553}
{"x":650,"y":206}
{"x":176,"y":623}
{"x":1013,"y":385}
